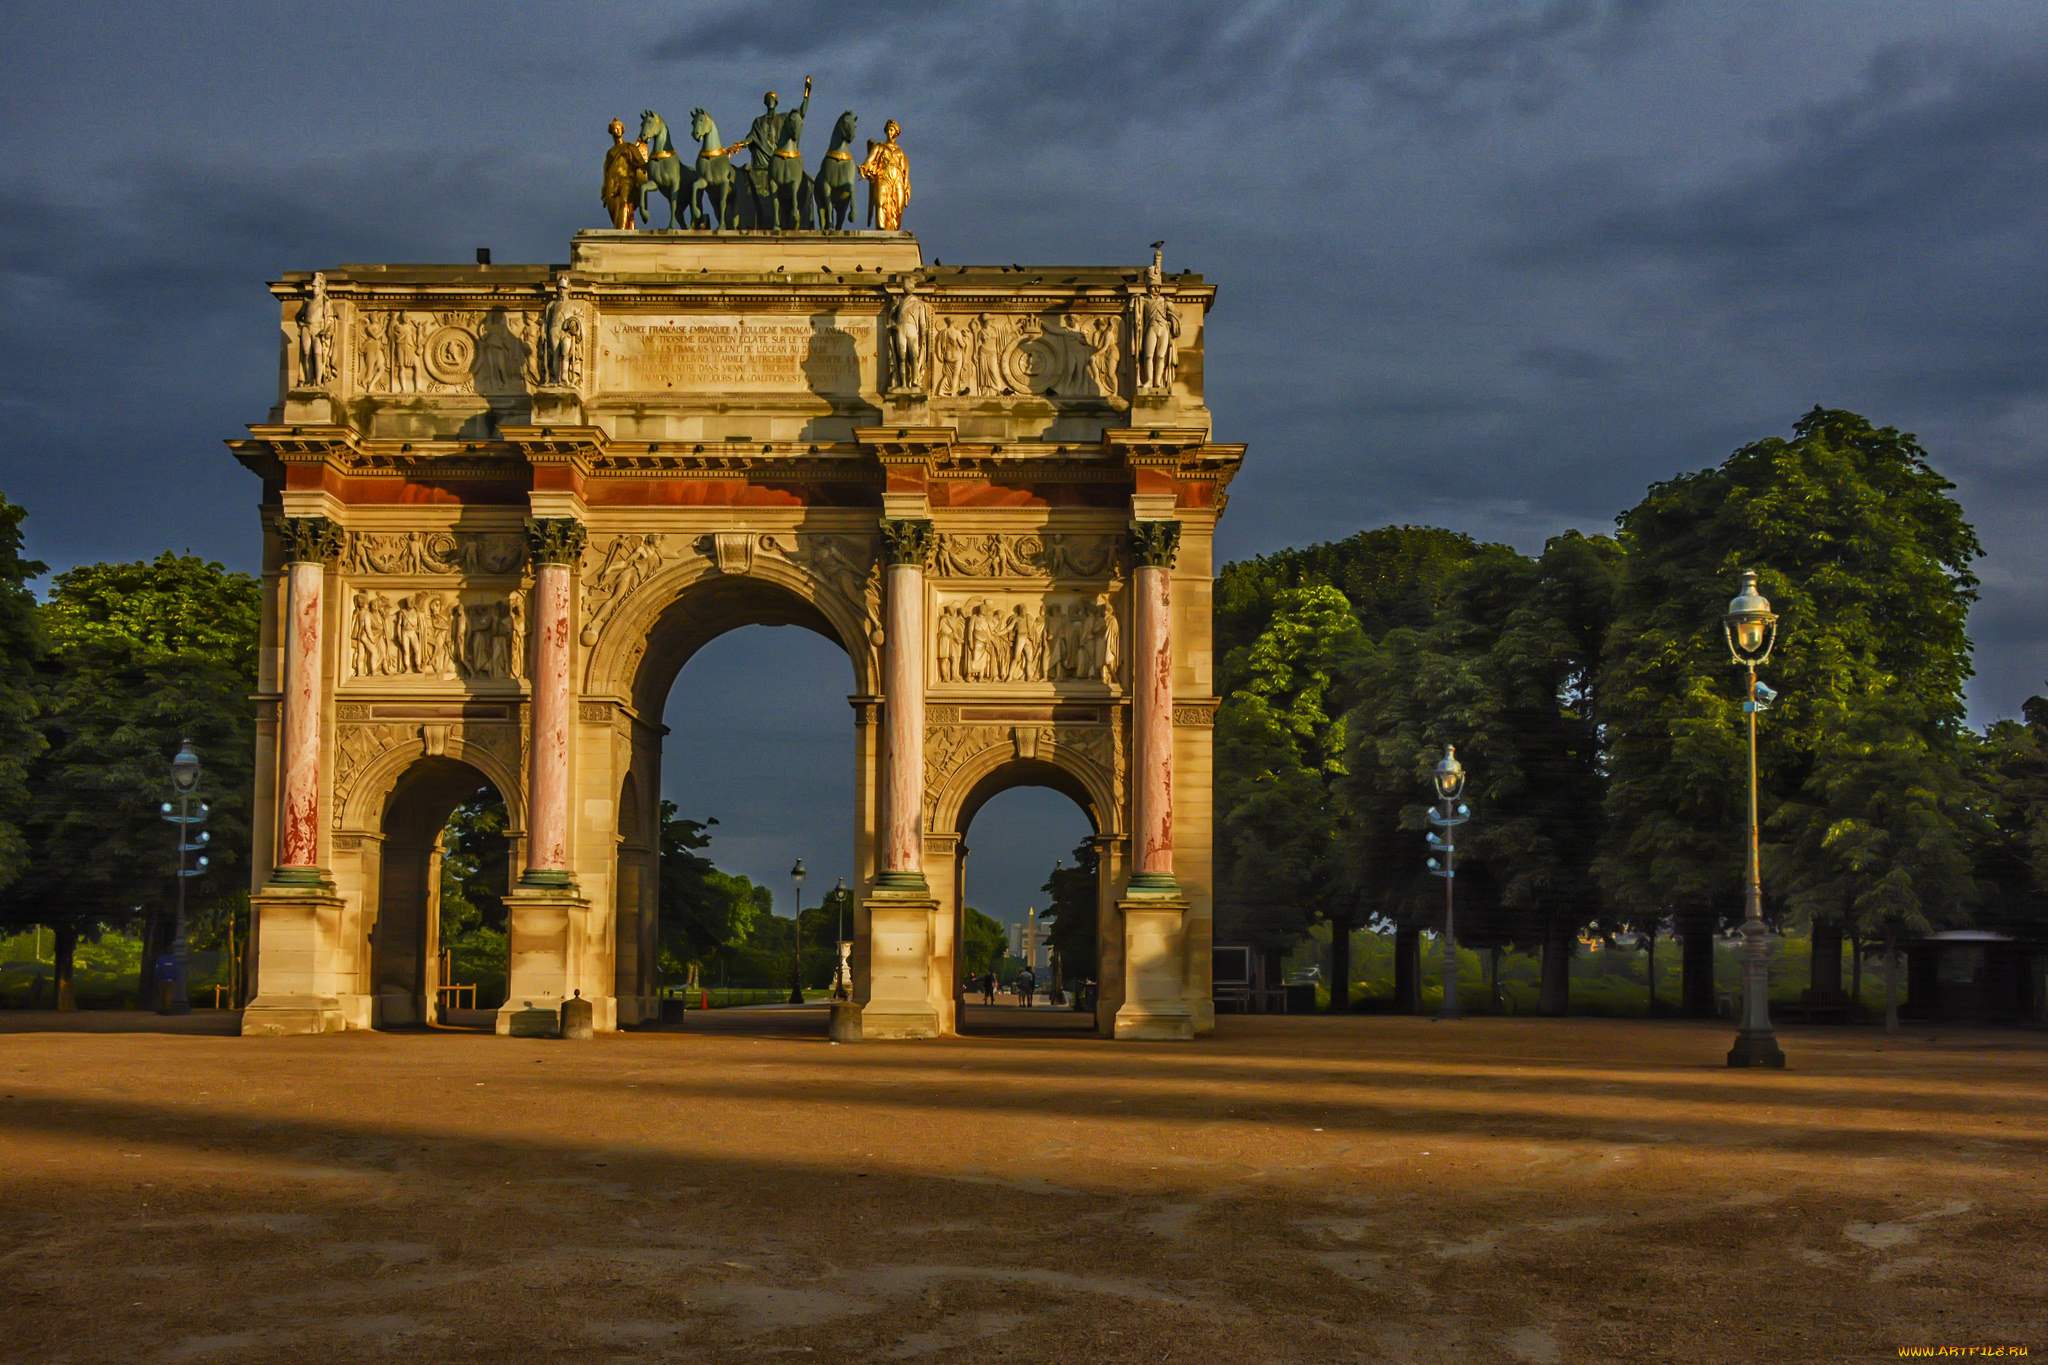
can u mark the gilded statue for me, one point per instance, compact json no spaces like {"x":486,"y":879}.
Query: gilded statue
{"x":625,"y":169}
{"x":887,"y":171}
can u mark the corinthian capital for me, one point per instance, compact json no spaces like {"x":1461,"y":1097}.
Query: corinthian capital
{"x":1154,"y":544}
{"x":555,"y":540}
{"x":907,"y":541}
{"x":309,"y":540}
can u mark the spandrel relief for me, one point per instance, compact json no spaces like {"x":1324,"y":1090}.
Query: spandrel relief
{"x":426,"y":633}
{"x":1058,"y":637}
{"x":614,"y":568}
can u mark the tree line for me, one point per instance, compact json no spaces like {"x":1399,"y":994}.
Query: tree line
{"x":1590,"y":695}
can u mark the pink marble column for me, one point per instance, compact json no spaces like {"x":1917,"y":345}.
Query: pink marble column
{"x":556,"y":542}
{"x":905,"y":544}
{"x":1156,"y":544}
{"x":299,"y":738}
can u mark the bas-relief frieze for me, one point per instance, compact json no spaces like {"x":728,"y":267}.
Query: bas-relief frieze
{"x":433,"y":552}
{"x":436,"y":634}
{"x":1026,"y":638}
{"x":1049,"y":554}
{"x":494,"y":351}
{"x":991,"y":354}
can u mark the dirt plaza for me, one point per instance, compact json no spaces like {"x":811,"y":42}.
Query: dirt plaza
{"x":1294,"y":1188}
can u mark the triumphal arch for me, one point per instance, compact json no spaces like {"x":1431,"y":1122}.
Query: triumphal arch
{"x":504,"y":504}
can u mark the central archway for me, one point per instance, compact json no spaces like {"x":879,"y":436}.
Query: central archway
{"x":646,"y":636}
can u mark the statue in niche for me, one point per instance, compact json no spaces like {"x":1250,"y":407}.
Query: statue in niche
{"x":910,"y":329}
{"x":515,"y":636}
{"x":775,"y":170}
{"x":410,"y":340}
{"x":316,"y":337}
{"x":564,"y":324}
{"x":625,"y":168}
{"x":1155,"y":323}
{"x":887,"y":171}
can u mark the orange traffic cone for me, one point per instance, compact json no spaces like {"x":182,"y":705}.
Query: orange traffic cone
{"x":705,"y":1002}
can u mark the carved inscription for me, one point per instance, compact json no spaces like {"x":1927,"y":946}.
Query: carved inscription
{"x":736,"y":354}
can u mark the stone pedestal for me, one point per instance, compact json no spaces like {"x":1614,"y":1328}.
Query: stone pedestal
{"x":543,"y":924}
{"x":900,"y":945}
{"x":557,"y":406}
{"x":299,"y":958}
{"x":845,"y":1026}
{"x":1155,"y":995}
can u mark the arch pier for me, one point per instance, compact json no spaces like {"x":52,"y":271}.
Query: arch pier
{"x":503,"y":506}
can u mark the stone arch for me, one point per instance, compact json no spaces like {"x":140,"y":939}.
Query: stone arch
{"x":364,"y":790}
{"x":971,"y":764}
{"x":401,"y":929}
{"x":644,"y":640}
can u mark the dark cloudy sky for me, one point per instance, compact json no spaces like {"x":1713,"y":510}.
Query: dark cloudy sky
{"x":1492,"y":265}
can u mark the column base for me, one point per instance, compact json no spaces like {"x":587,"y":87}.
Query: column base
{"x":903,"y":883}
{"x":1155,"y":1004}
{"x":846,"y":1022}
{"x":547,"y":879}
{"x":540,"y":921}
{"x":1153,"y":884}
{"x":530,"y":1018}
{"x":274,"y":1016}
{"x":900,"y":1002}
{"x":1756,"y":1049}
{"x":300,"y":879}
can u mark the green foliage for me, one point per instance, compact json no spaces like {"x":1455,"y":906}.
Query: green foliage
{"x":2013,"y":854}
{"x":21,"y":645}
{"x":1280,"y":742}
{"x":1864,"y":763}
{"x":141,"y":655}
{"x":711,"y":917}
{"x":475,"y":867}
{"x":985,"y":943}
{"x":1073,"y":895}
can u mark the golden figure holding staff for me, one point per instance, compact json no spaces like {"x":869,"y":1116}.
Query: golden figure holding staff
{"x":625,"y":166}
{"x":887,"y":171}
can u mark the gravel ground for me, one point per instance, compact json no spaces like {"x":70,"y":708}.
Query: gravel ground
{"x":1293,"y":1189}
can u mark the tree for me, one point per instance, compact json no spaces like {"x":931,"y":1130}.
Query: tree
{"x":706,"y":914}
{"x":1280,"y":742}
{"x":985,"y":943}
{"x":1070,"y":915}
{"x":141,"y":656}
{"x":21,"y":646}
{"x":1863,"y":766}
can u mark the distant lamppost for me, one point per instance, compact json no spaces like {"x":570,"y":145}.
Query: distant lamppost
{"x":1752,"y":628}
{"x":184,"y":782}
{"x":1449,"y":780}
{"x":842,"y":975}
{"x":796,"y":938}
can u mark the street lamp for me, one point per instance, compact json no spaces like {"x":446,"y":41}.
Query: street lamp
{"x":1752,"y":628}
{"x":184,"y":783}
{"x":1449,"y":781}
{"x":796,"y":938}
{"x":842,"y":975}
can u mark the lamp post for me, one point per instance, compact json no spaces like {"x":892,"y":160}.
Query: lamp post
{"x":1752,"y":628}
{"x":185,"y":783}
{"x":796,"y":938}
{"x":1449,"y":781}
{"x":842,"y":975}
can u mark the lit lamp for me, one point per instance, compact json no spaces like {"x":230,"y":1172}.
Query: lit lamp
{"x":1752,"y":629}
{"x":796,"y":938}
{"x":184,"y":784}
{"x":1449,"y":780}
